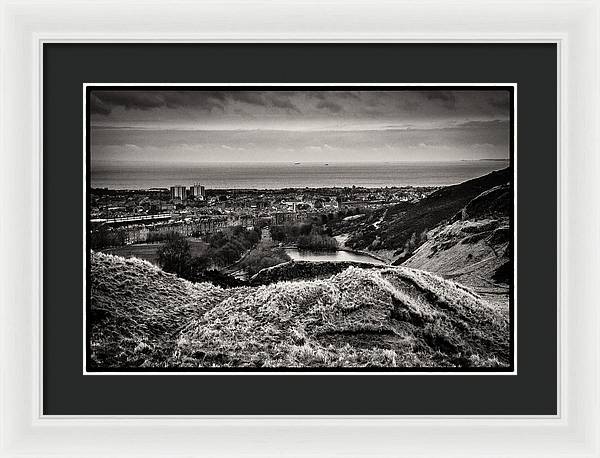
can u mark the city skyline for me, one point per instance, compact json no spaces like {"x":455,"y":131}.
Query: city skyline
{"x":309,"y":126}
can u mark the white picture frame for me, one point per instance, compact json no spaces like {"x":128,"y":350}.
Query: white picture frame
{"x":572,"y":25}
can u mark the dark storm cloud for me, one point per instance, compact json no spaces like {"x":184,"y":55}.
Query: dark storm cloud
{"x":349,"y":95}
{"x":103,"y":102}
{"x":283,"y":102}
{"x":262,"y":99}
{"x":447,"y":98}
{"x":324,"y":95}
{"x":329,"y":105}
{"x":500,"y":101}
{"x":249,"y":97}
{"x":267,"y":125}
{"x":98,"y":106}
{"x":370,"y":104}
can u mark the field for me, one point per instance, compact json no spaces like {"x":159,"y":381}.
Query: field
{"x":149,"y":251}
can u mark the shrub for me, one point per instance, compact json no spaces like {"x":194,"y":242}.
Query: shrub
{"x":263,"y":256}
{"x":289,"y":232}
{"x":105,"y":237}
{"x":174,"y":256}
{"x":317,"y":242}
{"x":229,"y":246}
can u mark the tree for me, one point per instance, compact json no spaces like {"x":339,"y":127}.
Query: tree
{"x":105,"y":237}
{"x":197,"y":267}
{"x":174,"y":256}
{"x":317,"y":242}
{"x":411,"y":244}
{"x":263,"y":256}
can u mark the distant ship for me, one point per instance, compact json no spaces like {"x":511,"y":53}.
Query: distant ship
{"x":296,"y":163}
{"x":326,"y":163}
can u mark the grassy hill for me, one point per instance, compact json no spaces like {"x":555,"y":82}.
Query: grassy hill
{"x":474,"y":248}
{"x":137,"y":310}
{"x":390,"y":316}
{"x":396,"y":226}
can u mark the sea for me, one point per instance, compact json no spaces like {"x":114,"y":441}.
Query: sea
{"x":278,"y":175}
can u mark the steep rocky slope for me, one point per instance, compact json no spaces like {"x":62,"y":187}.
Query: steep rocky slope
{"x":402,"y":227}
{"x":474,"y":248}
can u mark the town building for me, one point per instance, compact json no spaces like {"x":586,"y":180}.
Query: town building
{"x":282,"y":217}
{"x":265,"y":235}
{"x":178,"y":192}
{"x":198,"y":192}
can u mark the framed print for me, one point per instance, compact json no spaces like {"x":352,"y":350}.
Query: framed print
{"x":220,"y":184}
{"x":275,"y":234}
{"x":295,"y":239}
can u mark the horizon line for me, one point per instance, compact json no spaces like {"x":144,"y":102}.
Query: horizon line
{"x":161,"y":162}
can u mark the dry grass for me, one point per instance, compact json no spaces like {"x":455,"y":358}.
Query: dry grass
{"x":391,"y":317}
{"x":137,"y":310}
{"x":469,"y":252}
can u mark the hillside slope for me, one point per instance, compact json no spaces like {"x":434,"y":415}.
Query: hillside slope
{"x":474,"y":248}
{"x":137,"y":310}
{"x":396,"y":316}
{"x":396,"y":226}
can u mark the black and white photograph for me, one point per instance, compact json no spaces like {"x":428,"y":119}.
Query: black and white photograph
{"x":300,"y":228}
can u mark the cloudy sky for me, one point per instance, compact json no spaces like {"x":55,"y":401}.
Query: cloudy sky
{"x":304,"y":126}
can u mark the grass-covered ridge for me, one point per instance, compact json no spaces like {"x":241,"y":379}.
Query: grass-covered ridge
{"x":393,"y":228}
{"x":392,"y":317}
{"x":137,"y":310}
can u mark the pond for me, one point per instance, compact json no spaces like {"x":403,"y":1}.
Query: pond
{"x":333,"y":256}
